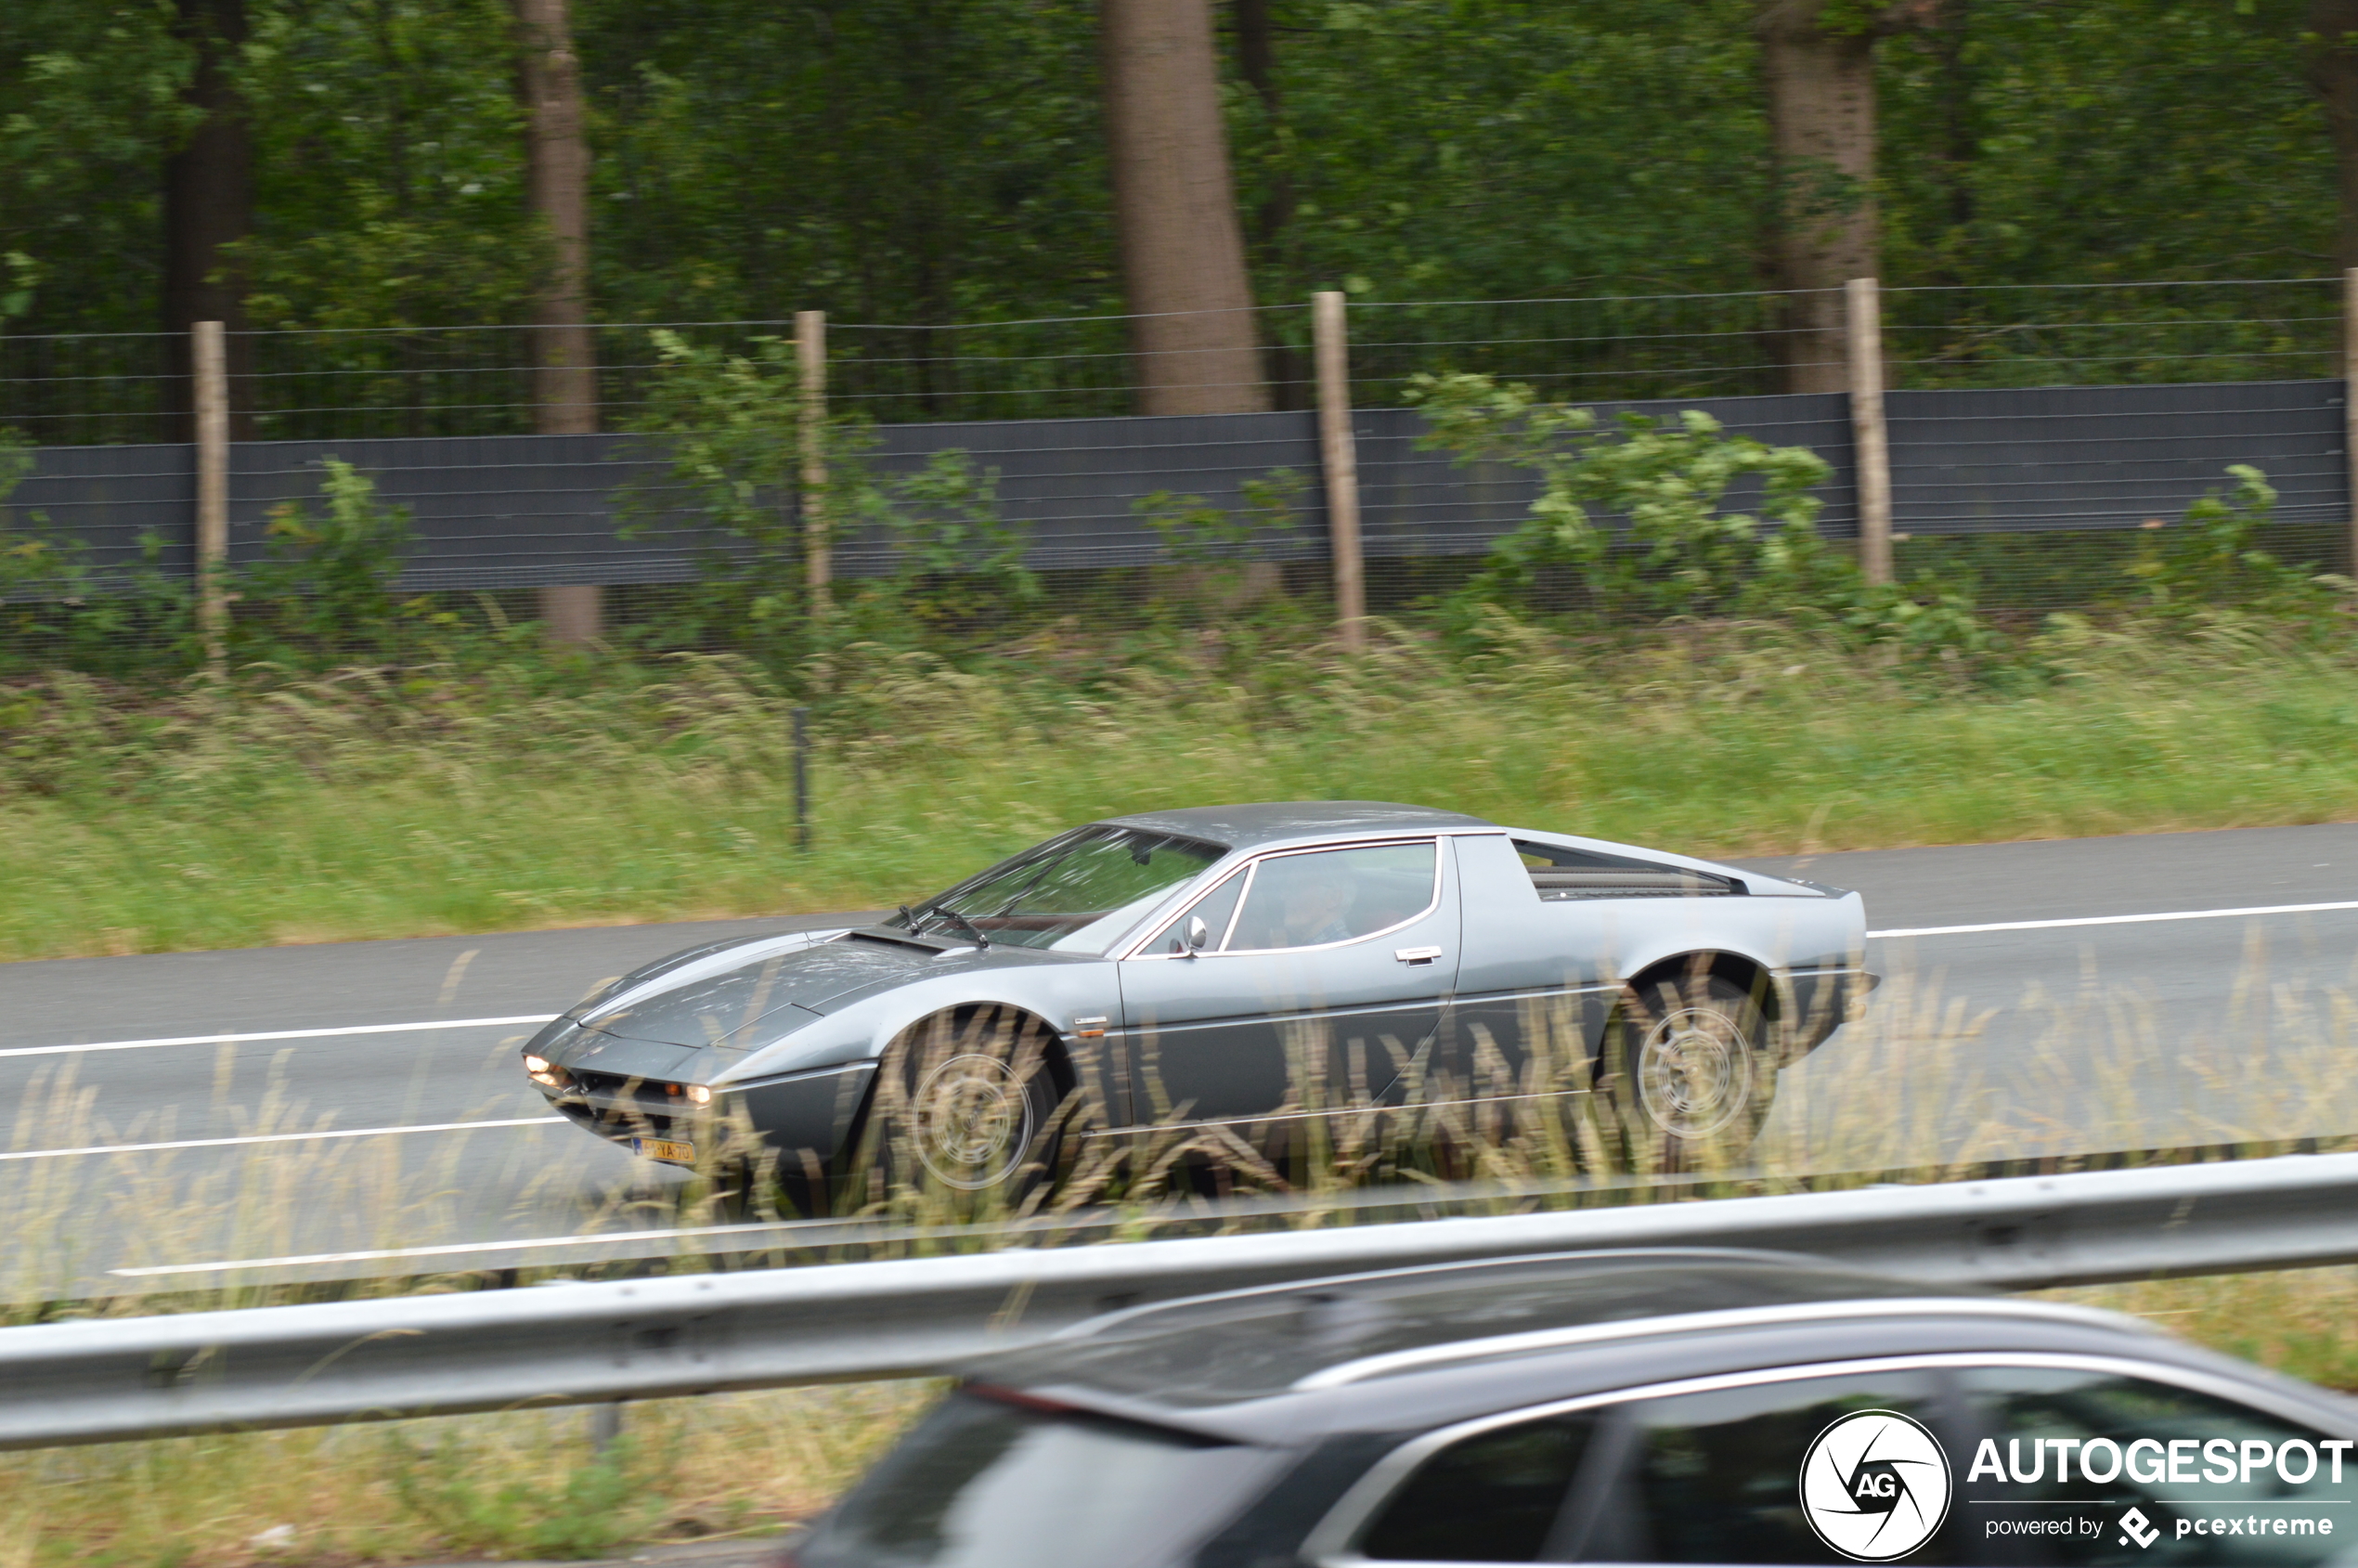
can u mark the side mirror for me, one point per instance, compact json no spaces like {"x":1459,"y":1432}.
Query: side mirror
{"x":1198,"y":934}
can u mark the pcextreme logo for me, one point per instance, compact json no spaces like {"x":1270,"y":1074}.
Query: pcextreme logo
{"x":1875,"y":1485}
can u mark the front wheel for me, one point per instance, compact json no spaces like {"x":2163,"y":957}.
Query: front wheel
{"x":1689,"y":1061}
{"x":967,"y":1102}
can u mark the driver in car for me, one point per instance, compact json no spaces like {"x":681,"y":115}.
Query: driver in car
{"x":1317,"y":911}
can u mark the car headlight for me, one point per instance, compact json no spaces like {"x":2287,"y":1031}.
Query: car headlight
{"x":536,"y":1064}
{"x":699,"y":1094}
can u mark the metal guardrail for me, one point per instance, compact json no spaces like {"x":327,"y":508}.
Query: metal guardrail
{"x":101,"y":1379}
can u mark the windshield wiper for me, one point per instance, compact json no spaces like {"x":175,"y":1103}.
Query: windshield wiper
{"x":954,"y":918}
{"x":916,"y":919}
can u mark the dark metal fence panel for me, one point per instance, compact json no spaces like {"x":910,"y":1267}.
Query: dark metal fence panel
{"x":2026,"y":460}
{"x":485,"y":511}
{"x":110,"y":505}
{"x":493,"y":511}
{"x":1075,"y":483}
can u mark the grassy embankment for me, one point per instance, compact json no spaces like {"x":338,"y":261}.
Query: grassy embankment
{"x":333,"y":808}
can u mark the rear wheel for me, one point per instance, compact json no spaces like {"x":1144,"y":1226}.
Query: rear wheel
{"x":1688,"y":1061}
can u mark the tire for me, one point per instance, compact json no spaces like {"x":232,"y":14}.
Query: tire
{"x":1688,"y":1063}
{"x":968,"y":1104}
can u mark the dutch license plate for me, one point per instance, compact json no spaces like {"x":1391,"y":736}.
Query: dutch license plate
{"x":670,"y":1150}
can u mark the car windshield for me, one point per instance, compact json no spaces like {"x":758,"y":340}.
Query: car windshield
{"x":983,"y":1483}
{"x":1076,"y":893}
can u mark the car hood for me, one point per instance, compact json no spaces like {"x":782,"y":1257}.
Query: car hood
{"x":737,"y":1009}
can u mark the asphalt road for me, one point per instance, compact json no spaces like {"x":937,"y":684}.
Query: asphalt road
{"x":142,"y":1140}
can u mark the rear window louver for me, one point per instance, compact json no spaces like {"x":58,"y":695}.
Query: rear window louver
{"x":1585,"y":874}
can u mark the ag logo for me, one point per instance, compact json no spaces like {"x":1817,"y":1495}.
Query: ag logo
{"x":1874,"y":1485}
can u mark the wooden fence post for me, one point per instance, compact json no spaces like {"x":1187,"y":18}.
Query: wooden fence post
{"x":2350,"y":402}
{"x":207,"y":359}
{"x":1339,"y":455}
{"x":1869,"y":441}
{"x":810,"y":355}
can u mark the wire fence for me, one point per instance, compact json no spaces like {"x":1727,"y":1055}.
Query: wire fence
{"x":2037,"y":434}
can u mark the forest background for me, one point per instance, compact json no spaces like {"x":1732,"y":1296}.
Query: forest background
{"x":321,"y":164}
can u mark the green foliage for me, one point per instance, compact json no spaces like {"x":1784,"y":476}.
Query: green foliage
{"x":325,"y":579}
{"x":1682,"y":554}
{"x":616,"y":1497}
{"x":731,"y":426}
{"x":56,"y":607}
{"x":1196,"y":531}
{"x":957,"y":561}
{"x":2213,"y":558}
{"x":728,"y":427}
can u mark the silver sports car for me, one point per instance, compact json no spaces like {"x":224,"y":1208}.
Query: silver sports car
{"x":1233,"y":973}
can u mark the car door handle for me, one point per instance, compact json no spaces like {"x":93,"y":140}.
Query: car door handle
{"x":1416,"y":955}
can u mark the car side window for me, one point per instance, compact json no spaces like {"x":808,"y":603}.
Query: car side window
{"x":1717,"y":1476}
{"x":1333,"y":895}
{"x":1492,"y":1498}
{"x":1213,"y":909}
{"x":2213,"y":1481}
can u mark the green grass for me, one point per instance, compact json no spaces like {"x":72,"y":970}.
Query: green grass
{"x":435,"y":801}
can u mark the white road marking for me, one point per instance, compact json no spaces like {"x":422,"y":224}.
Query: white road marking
{"x":2117,"y":919}
{"x":276,"y":1139}
{"x":276,"y":1035}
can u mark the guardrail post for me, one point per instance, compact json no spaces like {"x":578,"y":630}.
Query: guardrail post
{"x":208,"y":360}
{"x":1869,"y":441}
{"x":1338,"y":456}
{"x":810,"y":357}
{"x":2349,"y":401}
{"x":605,"y":1425}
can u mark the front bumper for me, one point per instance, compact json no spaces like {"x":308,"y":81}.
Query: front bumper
{"x":814,"y":1114}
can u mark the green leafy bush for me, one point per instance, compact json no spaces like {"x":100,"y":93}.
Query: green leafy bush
{"x":2212,"y":558}
{"x":1683,"y":553}
{"x":326,"y":580}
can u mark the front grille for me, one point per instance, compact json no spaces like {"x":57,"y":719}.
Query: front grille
{"x":620,"y":1093}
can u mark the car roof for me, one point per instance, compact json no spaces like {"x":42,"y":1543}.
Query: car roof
{"x":1269,"y":823}
{"x":1450,"y":1337}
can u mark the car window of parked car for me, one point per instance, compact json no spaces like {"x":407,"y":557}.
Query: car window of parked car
{"x":1715,"y":1476}
{"x":1334,"y":895}
{"x":1492,"y":1498}
{"x":2223,"y":1484}
{"x":981,"y":1483}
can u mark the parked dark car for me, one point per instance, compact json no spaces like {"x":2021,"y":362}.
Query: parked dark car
{"x":1233,"y":968}
{"x":1639,"y":1406}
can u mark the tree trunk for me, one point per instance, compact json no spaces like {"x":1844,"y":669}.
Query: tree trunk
{"x":1290,"y":384}
{"x":1182,"y":253}
{"x":564,"y":375}
{"x":2332,"y":70}
{"x":208,"y":205}
{"x":564,"y":355}
{"x":1822,"y":117}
